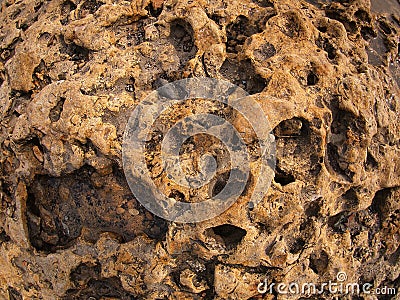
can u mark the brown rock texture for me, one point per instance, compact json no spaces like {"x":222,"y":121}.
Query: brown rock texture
{"x":71,"y":72}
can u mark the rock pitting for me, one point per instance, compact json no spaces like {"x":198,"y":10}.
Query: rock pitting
{"x":71,"y":72}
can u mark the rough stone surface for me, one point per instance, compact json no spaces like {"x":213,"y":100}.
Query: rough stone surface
{"x":72,"y":71}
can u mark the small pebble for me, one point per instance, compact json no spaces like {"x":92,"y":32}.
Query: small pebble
{"x":133,"y":212}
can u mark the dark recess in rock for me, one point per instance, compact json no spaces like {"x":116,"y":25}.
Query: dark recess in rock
{"x":231,"y":234}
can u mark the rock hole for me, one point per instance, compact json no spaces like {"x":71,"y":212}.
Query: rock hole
{"x":313,"y":208}
{"x":292,"y":137}
{"x":380,"y":200}
{"x":307,"y":229}
{"x":395,"y":257}
{"x":338,"y":222}
{"x":161,"y":81}
{"x":219,"y":20}
{"x":203,"y":62}
{"x":31,"y":140}
{"x":66,"y":8}
{"x":327,"y":46}
{"x":296,"y":245}
{"x":155,"y":227}
{"x":177,"y":195}
{"x":319,"y":262}
{"x":87,"y":146}
{"x":351,"y":199}
{"x":237,"y":32}
{"x":19,"y":99}
{"x":268,"y":250}
{"x":339,"y":15}
{"x":153,"y":10}
{"x":4,"y":237}
{"x":263,"y":3}
{"x":6,"y":54}
{"x":130,"y":87}
{"x":367,"y":33}
{"x":362,"y":15}
{"x":181,"y":37}
{"x":371,"y":163}
{"x":292,"y":27}
{"x":59,"y":207}
{"x":243,"y":74}
{"x":220,"y":183}
{"x":13,"y":294}
{"x":337,"y":163}
{"x":344,"y":124}
{"x":81,"y":275}
{"x":282,"y":177}
{"x":76,"y":53}
{"x":266,"y":51}
{"x":55,"y":112}
{"x":230,"y":234}
{"x":330,"y":49}
{"x":209,"y":276}
{"x":89,"y":7}
{"x":343,"y":120}
{"x":25,"y":23}
{"x":136,"y":34}
{"x":385,"y":27}
{"x":47,"y":232}
{"x":89,"y":284}
{"x":312,"y":79}
{"x":316,"y":162}
{"x":40,"y":75}
{"x":316,"y":3}
{"x":290,"y":128}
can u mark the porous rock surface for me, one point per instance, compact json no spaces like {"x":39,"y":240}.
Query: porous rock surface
{"x":71,"y":72}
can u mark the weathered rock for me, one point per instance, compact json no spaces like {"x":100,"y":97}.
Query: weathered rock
{"x":325,"y":72}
